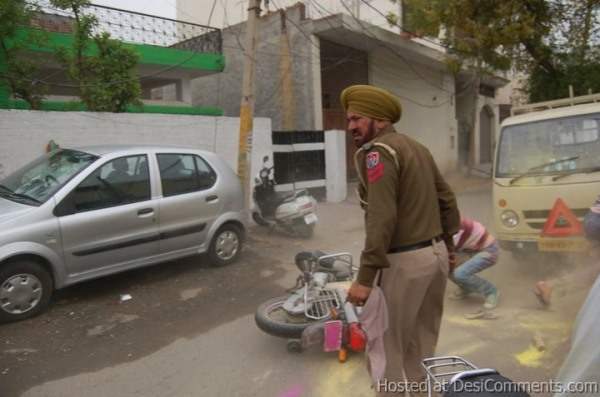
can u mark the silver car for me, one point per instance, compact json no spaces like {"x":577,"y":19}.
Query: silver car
{"x":75,"y":215}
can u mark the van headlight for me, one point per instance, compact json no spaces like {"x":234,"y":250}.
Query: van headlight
{"x":509,"y":218}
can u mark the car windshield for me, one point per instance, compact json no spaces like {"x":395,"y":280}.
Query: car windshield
{"x":39,"y":180}
{"x":550,"y":146}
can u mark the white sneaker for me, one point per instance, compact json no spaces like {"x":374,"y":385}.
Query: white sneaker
{"x":491,"y":301}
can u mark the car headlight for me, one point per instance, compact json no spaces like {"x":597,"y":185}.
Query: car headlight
{"x":509,"y":218}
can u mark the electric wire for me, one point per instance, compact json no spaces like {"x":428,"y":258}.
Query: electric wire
{"x":387,"y":72}
{"x":393,"y":51}
{"x":453,"y":93}
{"x":241,"y":47}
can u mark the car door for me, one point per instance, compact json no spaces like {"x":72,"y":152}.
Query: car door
{"x":190,"y":201}
{"x":109,"y":221}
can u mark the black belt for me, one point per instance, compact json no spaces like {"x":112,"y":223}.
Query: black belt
{"x":413,"y":247}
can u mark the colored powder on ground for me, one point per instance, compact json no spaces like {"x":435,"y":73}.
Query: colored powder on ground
{"x":530,"y":357}
{"x":294,"y":391}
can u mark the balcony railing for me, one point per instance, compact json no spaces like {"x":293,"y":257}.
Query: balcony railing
{"x":135,"y":27}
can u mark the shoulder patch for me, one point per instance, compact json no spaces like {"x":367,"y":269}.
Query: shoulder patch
{"x":372,"y":160}
{"x":374,"y":167}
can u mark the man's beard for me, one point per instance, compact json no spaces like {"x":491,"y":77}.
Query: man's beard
{"x":371,"y":132}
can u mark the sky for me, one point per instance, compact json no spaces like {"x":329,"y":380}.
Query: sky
{"x":163,"y":8}
{"x":228,"y":12}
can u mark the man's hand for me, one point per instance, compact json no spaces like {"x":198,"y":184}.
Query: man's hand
{"x":358,"y":294}
{"x":452,"y":261}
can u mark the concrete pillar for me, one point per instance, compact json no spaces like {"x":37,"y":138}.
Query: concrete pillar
{"x":183,"y":89}
{"x":335,"y":165}
{"x":315,"y":60}
{"x":451,"y":121}
{"x":146,"y":93}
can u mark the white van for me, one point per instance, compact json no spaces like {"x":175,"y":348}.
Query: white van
{"x":547,"y":151}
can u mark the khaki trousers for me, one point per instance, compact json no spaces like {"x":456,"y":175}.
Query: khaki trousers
{"x":414,"y":289}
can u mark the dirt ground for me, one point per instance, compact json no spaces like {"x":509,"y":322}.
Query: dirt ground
{"x":189,"y":330}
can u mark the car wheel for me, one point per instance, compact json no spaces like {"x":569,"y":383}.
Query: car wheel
{"x":226,"y":245}
{"x":25,"y":290}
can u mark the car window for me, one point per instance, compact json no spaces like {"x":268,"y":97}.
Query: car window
{"x":43,"y":177}
{"x":124,"y":180}
{"x":206,"y":175}
{"x":184,"y":173}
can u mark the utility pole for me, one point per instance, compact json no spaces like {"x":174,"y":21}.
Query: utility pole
{"x":286,"y":91}
{"x":285,"y":74}
{"x":400,"y":21}
{"x":357,"y":8}
{"x":247,"y":104}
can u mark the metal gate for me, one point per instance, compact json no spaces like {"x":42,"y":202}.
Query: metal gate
{"x":299,"y":161}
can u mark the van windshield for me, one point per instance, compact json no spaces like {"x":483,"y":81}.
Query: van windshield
{"x":37,"y":181}
{"x":568,"y":144}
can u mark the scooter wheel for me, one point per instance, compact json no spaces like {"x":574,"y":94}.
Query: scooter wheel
{"x":303,"y":230}
{"x":259,"y":219}
{"x":294,"y":346}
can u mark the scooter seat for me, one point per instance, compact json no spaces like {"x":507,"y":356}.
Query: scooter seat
{"x":282,"y":197}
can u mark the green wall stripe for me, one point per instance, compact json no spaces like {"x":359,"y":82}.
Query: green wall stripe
{"x":149,"y":54}
{"x":4,"y":88}
{"x":61,"y":106}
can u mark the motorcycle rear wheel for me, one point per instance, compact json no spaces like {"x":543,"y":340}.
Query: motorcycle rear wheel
{"x":274,"y":320}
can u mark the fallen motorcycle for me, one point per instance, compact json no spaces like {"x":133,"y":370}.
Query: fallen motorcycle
{"x":315,"y":311}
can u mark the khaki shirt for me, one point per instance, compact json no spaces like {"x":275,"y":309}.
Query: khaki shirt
{"x":406,"y":200}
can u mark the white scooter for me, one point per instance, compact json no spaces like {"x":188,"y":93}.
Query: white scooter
{"x":292,"y":211}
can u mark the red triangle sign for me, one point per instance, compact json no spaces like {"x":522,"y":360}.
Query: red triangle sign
{"x":562,"y":222}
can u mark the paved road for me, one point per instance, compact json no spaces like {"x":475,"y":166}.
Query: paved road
{"x":189,"y":329}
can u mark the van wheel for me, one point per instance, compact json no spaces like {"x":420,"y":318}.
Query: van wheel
{"x":226,"y":245}
{"x":25,"y":290}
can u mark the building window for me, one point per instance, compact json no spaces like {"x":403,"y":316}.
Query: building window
{"x":487,"y":90}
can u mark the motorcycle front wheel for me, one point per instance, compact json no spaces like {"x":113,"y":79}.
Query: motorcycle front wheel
{"x":274,"y":320}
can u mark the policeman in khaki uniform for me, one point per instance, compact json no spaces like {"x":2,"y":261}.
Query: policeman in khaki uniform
{"x":410,"y":218}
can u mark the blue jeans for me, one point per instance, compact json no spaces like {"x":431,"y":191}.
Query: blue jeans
{"x":591,"y":225}
{"x":464,"y":275}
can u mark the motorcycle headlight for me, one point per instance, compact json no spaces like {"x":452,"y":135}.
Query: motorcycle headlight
{"x":509,"y":218}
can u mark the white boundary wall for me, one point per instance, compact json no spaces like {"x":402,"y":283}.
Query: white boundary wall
{"x":335,"y":159}
{"x":24,"y":134}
